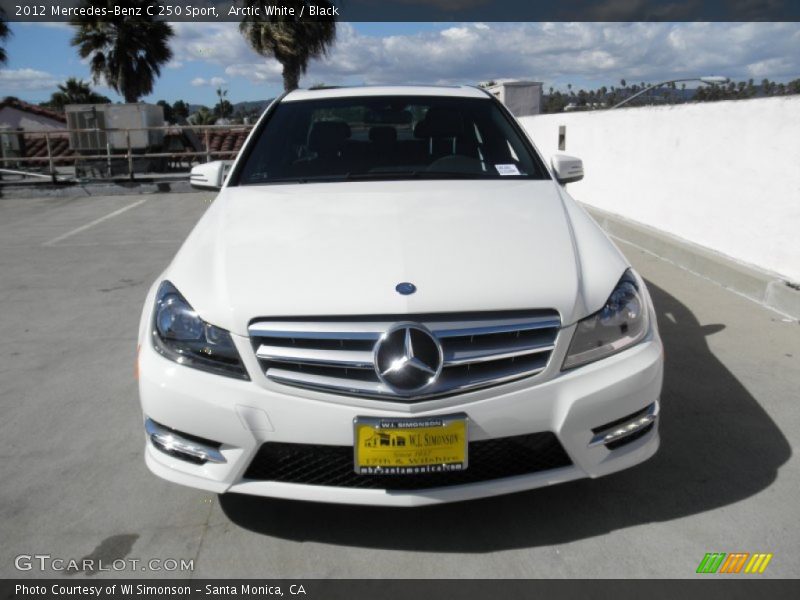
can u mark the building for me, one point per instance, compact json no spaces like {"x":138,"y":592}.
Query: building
{"x":16,"y":114}
{"x":522,"y":98}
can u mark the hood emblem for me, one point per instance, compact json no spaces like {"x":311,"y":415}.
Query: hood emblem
{"x":408,"y":358}
{"x":406,"y":288}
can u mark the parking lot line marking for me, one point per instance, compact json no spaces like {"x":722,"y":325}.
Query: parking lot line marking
{"x":175,"y":243}
{"x":91,"y":224}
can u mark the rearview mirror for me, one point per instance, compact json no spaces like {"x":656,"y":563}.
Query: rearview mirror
{"x":568,"y":169}
{"x":209,"y":176}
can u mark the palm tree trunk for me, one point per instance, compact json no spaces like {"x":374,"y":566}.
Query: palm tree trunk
{"x":291,"y":76}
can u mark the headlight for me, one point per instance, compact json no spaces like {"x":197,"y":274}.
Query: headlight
{"x":182,"y":336}
{"x":622,"y":322}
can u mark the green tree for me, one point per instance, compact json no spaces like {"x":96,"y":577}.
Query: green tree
{"x":180,"y":110}
{"x":292,"y":41}
{"x":127,"y":51}
{"x":5,"y":33}
{"x":203,"y":117}
{"x":223,"y":107}
{"x":555,"y":103}
{"x":75,"y":91}
{"x":169,"y":114}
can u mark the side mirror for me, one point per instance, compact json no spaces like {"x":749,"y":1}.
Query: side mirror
{"x":568,"y":169}
{"x":209,"y":176}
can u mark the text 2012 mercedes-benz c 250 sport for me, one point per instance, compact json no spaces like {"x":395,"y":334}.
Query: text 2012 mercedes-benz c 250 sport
{"x":394,"y":301}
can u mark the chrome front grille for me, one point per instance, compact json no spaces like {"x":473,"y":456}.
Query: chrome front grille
{"x":338,"y":355}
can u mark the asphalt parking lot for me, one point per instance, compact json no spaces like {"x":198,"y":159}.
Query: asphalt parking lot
{"x":73,"y":484}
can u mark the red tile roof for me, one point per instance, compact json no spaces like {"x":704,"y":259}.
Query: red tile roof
{"x":36,"y":147}
{"x":33,"y":109}
{"x":219,"y":140}
{"x":229,"y":141}
{"x":226,"y":140}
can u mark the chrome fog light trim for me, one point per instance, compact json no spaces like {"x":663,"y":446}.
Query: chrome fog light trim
{"x":172,"y":443}
{"x":626,"y":428}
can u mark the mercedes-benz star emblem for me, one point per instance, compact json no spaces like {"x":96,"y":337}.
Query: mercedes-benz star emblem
{"x":408,"y":358}
{"x":406,"y":288}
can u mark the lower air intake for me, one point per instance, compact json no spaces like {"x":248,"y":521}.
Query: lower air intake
{"x":332,"y":466}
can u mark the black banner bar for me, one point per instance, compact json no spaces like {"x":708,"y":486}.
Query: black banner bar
{"x":706,"y":588}
{"x":417,"y":10}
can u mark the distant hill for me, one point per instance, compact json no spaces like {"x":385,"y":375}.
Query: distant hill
{"x":247,"y":107}
{"x":251,"y":106}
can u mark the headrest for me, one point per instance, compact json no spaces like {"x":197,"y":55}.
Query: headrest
{"x":383,"y":135}
{"x":439,"y":123}
{"x":327,"y":136}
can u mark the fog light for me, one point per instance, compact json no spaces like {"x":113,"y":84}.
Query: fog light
{"x":614,"y":434}
{"x":183,"y":446}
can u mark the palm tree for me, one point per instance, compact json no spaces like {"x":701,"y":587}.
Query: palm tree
{"x":223,"y":108}
{"x":203,"y":116}
{"x":290,"y":40}
{"x":75,"y":91}
{"x":5,"y":33}
{"x":128,"y":52}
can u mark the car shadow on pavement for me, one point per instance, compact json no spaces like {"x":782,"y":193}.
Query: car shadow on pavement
{"x":718,"y":447}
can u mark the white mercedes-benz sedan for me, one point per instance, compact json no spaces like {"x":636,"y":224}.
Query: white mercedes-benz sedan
{"x":394,"y":301}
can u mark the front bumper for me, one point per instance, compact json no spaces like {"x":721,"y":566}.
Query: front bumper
{"x":243,"y":415}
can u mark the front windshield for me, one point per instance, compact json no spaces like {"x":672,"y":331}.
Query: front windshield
{"x":388,"y":137}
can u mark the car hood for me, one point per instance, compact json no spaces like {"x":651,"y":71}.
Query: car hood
{"x":341,"y":249}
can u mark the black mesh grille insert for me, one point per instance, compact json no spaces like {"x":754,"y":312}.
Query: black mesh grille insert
{"x":333,"y":465}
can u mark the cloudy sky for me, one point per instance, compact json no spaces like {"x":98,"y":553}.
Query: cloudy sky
{"x":208,"y":55}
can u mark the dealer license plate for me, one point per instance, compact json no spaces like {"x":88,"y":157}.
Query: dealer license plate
{"x":401,"y":446}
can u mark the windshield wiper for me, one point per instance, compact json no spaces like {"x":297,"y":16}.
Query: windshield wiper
{"x":454,"y":175}
{"x":303,"y":179}
{"x":413,"y":175}
{"x":373,"y":175}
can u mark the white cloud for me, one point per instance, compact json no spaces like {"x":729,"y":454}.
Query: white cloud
{"x":213,"y":82}
{"x":266,"y":71}
{"x":216,"y":43}
{"x":556,"y":53}
{"x":26,"y":80}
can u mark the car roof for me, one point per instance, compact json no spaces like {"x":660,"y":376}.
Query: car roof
{"x":460,"y":91}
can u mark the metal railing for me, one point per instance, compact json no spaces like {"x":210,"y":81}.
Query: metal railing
{"x":128,"y":153}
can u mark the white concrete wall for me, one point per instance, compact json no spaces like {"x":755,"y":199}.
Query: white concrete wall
{"x":724,"y":175}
